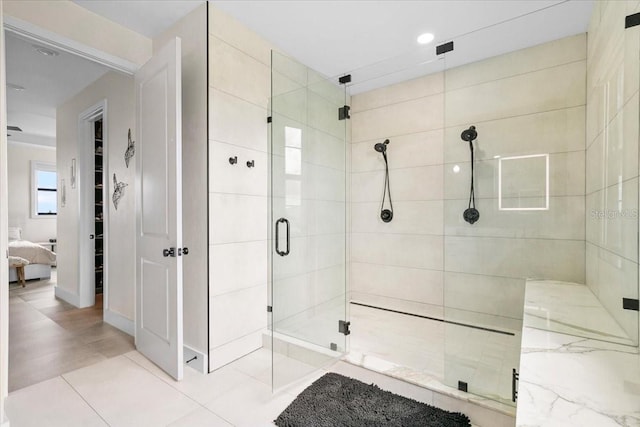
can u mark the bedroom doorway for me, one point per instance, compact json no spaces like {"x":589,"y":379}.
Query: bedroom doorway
{"x":57,"y":320}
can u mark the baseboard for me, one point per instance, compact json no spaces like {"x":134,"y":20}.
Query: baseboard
{"x":65,"y":295}
{"x":119,"y":321}
{"x":200,"y":362}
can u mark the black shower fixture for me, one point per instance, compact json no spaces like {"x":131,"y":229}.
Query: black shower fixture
{"x":471,"y":214}
{"x":386,"y":215}
{"x":469,"y":134}
{"x":381,"y":147}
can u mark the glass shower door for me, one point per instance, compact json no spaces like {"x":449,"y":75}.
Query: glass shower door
{"x":308,"y":220}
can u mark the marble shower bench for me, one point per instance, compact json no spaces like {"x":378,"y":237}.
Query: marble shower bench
{"x":577,"y":367}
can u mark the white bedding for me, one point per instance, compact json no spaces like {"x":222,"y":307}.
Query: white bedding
{"x":36,"y":254}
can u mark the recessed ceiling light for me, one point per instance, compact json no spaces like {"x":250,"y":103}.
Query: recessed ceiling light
{"x":15,"y":87}
{"x":45,"y":51}
{"x":425,"y":38}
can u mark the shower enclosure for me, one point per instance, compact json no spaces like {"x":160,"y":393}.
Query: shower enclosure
{"x":308,"y":218}
{"x":431,"y":297}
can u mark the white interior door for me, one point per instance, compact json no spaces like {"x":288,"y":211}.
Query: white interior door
{"x":159,"y":210}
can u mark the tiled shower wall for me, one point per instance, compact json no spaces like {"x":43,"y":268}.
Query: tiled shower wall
{"x":398,"y":264}
{"x":239,"y":84}
{"x":428,"y":260}
{"x":612,"y":159}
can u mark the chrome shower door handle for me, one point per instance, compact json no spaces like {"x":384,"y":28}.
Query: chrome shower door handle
{"x":278,"y":251}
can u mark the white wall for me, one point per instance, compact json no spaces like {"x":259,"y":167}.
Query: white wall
{"x":118,"y":90}
{"x":239,"y":81}
{"x":192,"y":29}
{"x":19,"y":170}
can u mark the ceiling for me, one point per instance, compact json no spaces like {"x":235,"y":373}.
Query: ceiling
{"x":147,"y":17}
{"x":375,"y":41}
{"x":48,"y":81}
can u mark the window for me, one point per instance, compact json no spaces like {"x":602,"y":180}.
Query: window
{"x":44,"y":194}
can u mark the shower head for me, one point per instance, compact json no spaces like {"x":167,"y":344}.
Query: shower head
{"x":381,"y":147}
{"x":469,"y":134}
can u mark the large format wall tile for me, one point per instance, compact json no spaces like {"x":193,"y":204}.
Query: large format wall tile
{"x":236,"y":266}
{"x":237,"y":73}
{"x":409,"y":217}
{"x":227,"y":28}
{"x":416,"y":149}
{"x":400,"y":92}
{"x":565,"y":219}
{"x":557,"y":52}
{"x":225,"y":177}
{"x":499,"y":296}
{"x":419,"y":183}
{"x":410,"y":284}
{"x":413,"y":116}
{"x":397,"y":250}
{"x":554,"y":131}
{"x":236,"y":121}
{"x":552,"y":259}
{"x":566,"y":177}
{"x":237,"y":218}
{"x":246,"y":304}
{"x":549,"y":89}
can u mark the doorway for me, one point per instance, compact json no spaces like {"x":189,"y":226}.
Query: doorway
{"x":56,"y":322}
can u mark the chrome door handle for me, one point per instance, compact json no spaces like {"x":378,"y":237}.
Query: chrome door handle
{"x":278,"y":251}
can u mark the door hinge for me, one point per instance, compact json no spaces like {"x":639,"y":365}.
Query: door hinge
{"x":632,"y":20}
{"x":345,"y":79}
{"x":515,"y":377}
{"x":630,"y":304}
{"x":269,"y":119}
{"x":269,"y":309}
{"x":343,"y":112}
{"x":343,"y":327}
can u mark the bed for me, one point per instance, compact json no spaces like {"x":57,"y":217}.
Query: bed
{"x":40,"y":258}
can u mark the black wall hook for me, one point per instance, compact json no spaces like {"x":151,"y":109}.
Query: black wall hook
{"x":233,"y":160}
{"x":251,"y":163}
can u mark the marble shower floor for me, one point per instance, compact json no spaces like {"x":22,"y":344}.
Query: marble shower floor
{"x":436,"y":355}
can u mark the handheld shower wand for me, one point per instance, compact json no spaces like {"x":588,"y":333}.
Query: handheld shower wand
{"x":385,"y":214}
{"x":471,"y":214}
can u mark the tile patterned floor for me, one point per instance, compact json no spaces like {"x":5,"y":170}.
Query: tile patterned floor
{"x":48,"y":337}
{"x":128,"y":390}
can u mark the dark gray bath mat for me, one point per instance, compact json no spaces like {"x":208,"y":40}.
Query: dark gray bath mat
{"x":335,"y":400}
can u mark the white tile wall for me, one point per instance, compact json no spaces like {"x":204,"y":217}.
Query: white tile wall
{"x":412,"y":116}
{"x":240,"y":306}
{"x":239,"y":78}
{"x":237,"y":266}
{"x":405,"y":151}
{"x":236,"y":73}
{"x":428,"y":260}
{"x":401,"y":250}
{"x":553,"y":88}
{"x":237,"y":218}
{"x":525,"y":258}
{"x":237,"y":121}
